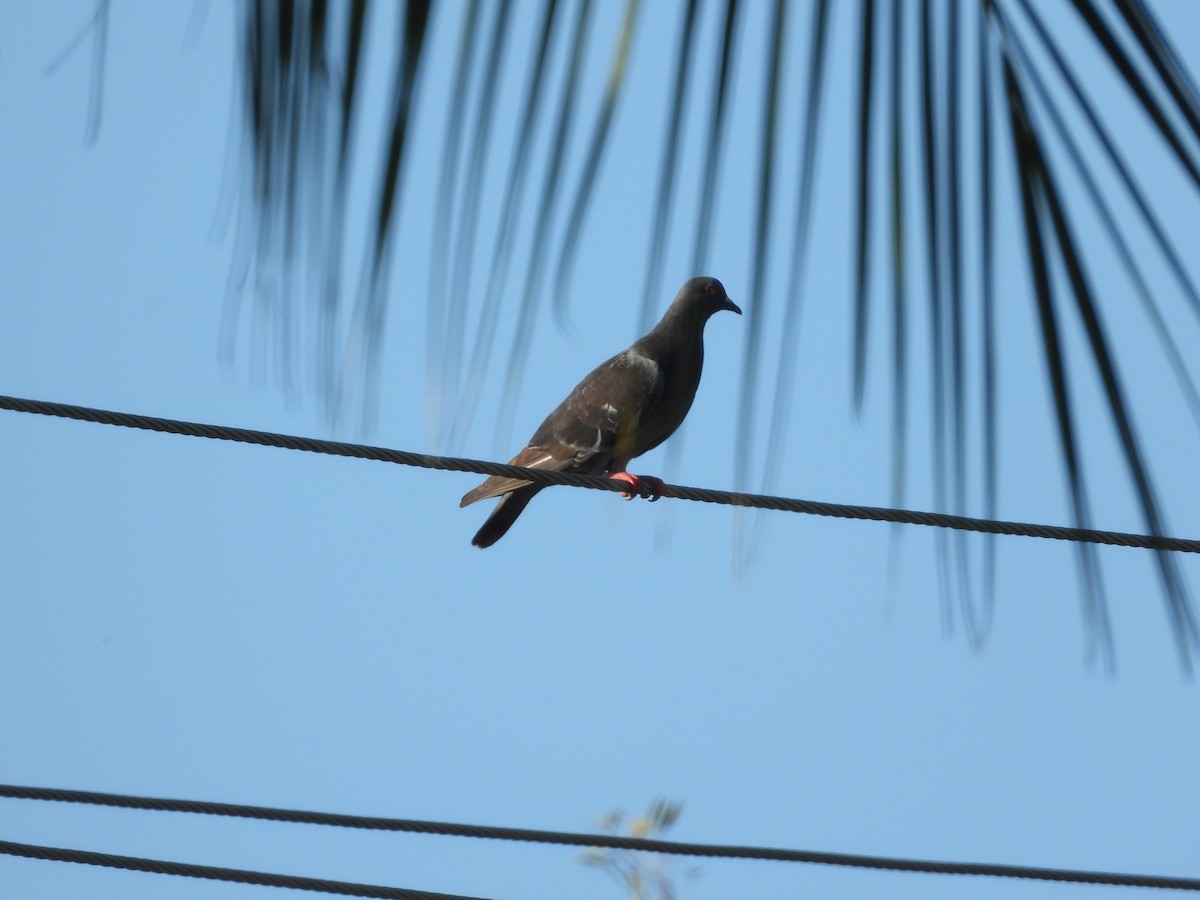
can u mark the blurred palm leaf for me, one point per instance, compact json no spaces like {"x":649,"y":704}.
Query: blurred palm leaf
{"x":97,"y":30}
{"x":644,"y":876}
{"x":959,"y":104}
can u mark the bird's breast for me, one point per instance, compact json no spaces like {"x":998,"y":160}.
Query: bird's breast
{"x":681,"y":371}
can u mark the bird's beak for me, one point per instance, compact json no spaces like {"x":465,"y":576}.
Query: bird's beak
{"x":732,"y":307}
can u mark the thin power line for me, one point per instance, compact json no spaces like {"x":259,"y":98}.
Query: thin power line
{"x":724,"y":851}
{"x":220,"y":873}
{"x":543,"y":477}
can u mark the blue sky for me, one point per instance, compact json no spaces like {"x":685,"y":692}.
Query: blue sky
{"x":203,"y":620}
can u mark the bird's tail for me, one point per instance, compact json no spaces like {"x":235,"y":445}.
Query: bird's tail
{"x":506,"y":512}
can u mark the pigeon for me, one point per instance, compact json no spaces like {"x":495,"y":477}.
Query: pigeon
{"x":623,"y":408}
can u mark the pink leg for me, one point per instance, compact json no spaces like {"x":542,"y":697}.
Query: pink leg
{"x":646,"y":486}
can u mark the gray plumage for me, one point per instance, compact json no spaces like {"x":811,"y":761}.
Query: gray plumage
{"x":623,"y":408}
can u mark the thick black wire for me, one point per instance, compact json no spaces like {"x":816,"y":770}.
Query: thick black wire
{"x":723,"y":851}
{"x":540,"y":476}
{"x":220,"y":873}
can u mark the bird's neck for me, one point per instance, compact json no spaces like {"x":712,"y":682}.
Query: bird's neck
{"x":676,"y":338}
{"x":679,"y":326}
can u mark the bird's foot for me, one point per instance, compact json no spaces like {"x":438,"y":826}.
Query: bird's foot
{"x":645,"y":486}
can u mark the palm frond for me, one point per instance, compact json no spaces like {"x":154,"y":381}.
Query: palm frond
{"x":539,"y":251}
{"x":669,"y":166}
{"x":595,"y":153}
{"x":934,"y":80}
{"x":1028,"y":153}
{"x":1149,"y":103}
{"x":987,"y":314}
{"x":437,"y":318}
{"x":789,"y":333}
{"x":722,"y":74}
{"x":502,"y":249}
{"x":361,"y":358}
{"x":97,"y":27}
{"x":757,"y":304}
{"x":866,"y":82}
{"x":1111,"y":226}
{"x":467,"y":229}
{"x":1108,"y":143}
{"x":934,"y":192}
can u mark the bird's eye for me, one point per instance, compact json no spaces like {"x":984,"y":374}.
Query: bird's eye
{"x":710,"y":288}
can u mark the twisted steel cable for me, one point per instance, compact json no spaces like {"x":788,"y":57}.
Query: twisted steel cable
{"x":677,"y":848}
{"x":220,"y":873}
{"x":540,"y":476}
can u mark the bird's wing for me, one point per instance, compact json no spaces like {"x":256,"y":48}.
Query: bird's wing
{"x":599,"y":419}
{"x":595,"y":425}
{"x":531,"y":458}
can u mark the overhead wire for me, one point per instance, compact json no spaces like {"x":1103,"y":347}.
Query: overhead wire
{"x":615,"y":842}
{"x":220,"y":873}
{"x":546,"y":477}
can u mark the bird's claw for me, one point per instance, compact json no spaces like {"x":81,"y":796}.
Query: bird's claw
{"x":645,"y":486}
{"x":655,"y":486}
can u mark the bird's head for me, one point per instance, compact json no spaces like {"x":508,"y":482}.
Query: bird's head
{"x":702,"y":297}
